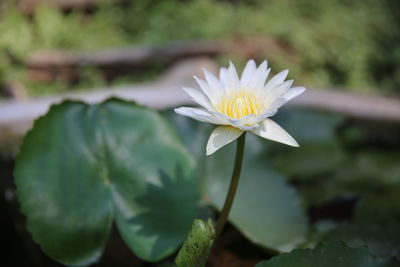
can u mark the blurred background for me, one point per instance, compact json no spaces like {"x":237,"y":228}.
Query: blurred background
{"x":350,"y":44}
{"x":347,"y":52}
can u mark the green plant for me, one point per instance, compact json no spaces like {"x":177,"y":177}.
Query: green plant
{"x":83,"y":167}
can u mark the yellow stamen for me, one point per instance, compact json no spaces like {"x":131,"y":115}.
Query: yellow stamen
{"x":241,"y":103}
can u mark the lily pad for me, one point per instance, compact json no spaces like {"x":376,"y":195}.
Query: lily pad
{"x":383,"y":240}
{"x":267,"y":210}
{"x":82,"y":165}
{"x":330,"y":255}
{"x":375,"y":224}
{"x":309,"y":126}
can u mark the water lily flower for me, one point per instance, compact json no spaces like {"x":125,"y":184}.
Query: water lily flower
{"x":241,"y":104}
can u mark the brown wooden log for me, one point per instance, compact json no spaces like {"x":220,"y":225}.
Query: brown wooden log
{"x":167,"y":93}
{"x":17,"y":117}
{"x":49,"y":66}
{"x":358,"y":106}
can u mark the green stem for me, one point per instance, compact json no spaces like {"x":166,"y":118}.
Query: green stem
{"x":233,"y":186}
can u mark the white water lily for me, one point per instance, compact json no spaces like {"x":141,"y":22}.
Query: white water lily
{"x":241,"y":104}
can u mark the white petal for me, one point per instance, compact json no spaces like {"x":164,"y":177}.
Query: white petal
{"x":221,"y":116}
{"x":212,"y":94}
{"x":269,"y":112}
{"x":244,"y":127}
{"x":220,"y":137}
{"x":232,"y":79}
{"x":280,"y":101}
{"x":259,"y":76}
{"x":245,"y":123}
{"x":222,"y":75}
{"x":248,"y":71}
{"x":272,"y":94}
{"x":293,"y":92}
{"x":200,"y":115}
{"x":212,"y":80}
{"x":277,"y":79}
{"x":271,"y":130}
{"x":199,"y":98}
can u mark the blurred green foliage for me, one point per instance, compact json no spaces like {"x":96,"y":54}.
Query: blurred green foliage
{"x":348,"y":182}
{"x":327,"y":43}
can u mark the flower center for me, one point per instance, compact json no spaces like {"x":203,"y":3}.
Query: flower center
{"x":239,"y":104}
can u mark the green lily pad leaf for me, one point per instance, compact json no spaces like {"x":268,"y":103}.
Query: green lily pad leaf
{"x":308,"y":126}
{"x":266,"y":209}
{"x":375,"y":224}
{"x":80,"y":166}
{"x":379,"y":165}
{"x":383,"y":240}
{"x":330,"y":255}
{"x":300,"y":163}
{"x":167,"y":210}
{"x":316,"y":134}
